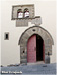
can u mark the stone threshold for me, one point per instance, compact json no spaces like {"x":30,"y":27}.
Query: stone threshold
{"x":38,"y":62}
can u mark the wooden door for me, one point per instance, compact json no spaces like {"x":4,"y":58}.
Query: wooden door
{"x":31,"y":49}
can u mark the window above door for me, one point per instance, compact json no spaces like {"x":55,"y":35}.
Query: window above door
{"x":22,"y":11}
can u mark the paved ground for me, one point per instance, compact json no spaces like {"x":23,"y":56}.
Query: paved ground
{"x":32,"y":69}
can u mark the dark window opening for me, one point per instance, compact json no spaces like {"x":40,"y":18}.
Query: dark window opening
{"x":6,"y":36}
{"x":39,"y":48}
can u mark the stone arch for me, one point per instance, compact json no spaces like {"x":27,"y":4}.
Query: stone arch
{"x":48,"y":40}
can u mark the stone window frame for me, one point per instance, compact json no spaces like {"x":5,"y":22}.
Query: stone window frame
{"x":5,"y":36}
{"x":29,"y":6}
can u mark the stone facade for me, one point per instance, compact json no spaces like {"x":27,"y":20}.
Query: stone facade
{"x":48,"y":41}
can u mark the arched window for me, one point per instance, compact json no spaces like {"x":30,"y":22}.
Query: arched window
{"x":26,"y":12}
{"x":19,"y":13}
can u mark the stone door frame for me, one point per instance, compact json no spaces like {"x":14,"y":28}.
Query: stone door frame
{"x":48,"y":41}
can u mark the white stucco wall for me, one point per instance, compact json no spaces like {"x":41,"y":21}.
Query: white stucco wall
{"x":10,"y":50}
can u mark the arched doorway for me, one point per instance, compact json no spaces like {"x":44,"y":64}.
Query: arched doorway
{"x":47,"y":43}
{"x":35,"y":49}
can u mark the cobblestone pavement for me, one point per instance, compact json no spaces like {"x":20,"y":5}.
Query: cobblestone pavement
{"x":32,"y":69}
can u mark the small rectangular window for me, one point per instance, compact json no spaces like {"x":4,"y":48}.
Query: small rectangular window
{"x":7,"y":36}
